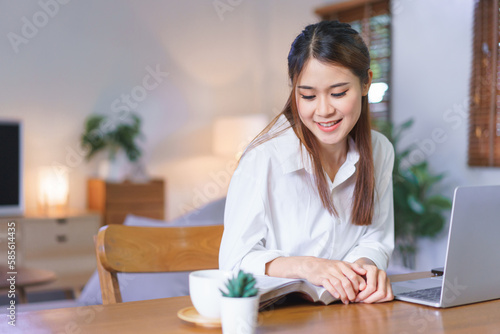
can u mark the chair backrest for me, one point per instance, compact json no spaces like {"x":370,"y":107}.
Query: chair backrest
{"x":133,"y":249}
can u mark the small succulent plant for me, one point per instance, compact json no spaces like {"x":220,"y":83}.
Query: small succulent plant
{"x":240,"y":286}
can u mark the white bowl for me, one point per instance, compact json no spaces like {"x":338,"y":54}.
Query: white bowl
{"x":204,"y":290}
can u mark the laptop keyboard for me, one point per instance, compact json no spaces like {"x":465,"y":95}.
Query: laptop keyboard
{"x":432,"y":294}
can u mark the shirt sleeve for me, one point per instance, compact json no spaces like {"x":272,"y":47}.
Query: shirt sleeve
{"x":377,"y":243}
{"x":246,"y":220}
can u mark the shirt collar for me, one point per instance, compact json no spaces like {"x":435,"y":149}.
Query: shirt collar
{"x":349,"y":166}
{"x":292,"y":158}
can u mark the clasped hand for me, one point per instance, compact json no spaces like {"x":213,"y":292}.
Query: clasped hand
{"x":360,"y":281}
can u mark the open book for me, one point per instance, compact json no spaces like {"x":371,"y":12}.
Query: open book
{"x":272,"y":289}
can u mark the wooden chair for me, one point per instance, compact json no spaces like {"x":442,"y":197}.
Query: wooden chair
{"x":134,"y":249}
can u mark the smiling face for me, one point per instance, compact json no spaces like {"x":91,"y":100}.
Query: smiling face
{"x":329,"y":102}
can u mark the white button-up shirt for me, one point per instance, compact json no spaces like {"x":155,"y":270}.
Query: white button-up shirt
{"x":273,"y":208}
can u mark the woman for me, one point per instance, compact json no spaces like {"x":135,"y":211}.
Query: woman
{"x":312,"y":195}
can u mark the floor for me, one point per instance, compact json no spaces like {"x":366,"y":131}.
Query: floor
{"x":35,"y":297}
{"x":39,"y":301}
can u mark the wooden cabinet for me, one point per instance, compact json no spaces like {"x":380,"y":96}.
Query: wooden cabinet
{"x":64,"y":245}
{"x":116,"y":200}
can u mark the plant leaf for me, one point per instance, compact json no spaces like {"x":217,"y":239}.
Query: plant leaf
{"x":438,"y":201}
{"x":415,"y":204}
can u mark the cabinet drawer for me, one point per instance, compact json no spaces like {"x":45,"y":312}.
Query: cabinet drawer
{"x":58,"y":237}
{"x":134,"y":192}
{"x":4,"y":240}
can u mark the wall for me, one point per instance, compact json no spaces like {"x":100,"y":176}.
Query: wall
{"x":432,"y":52}
{"x":63,"y":60}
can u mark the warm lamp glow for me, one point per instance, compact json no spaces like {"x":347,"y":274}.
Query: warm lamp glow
{"x":233,"y":134}
{"x":53,"y":189}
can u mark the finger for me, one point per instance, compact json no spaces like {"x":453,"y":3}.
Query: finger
{"x":349,"y":289}
{"x":329,"y":287}
{"x":381,"y":294}
{"x":371,"y":284}
{"x":361,"y":276}
{"x":363,"y":295}
{"x":358,"y":269}
{"x":339,"y":287}
{"x":361,"y":283}
{"x":342,"y":283}
{"x":389,"y":295}
{"x":353,"y":278}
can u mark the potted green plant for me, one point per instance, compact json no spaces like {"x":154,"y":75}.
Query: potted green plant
{"x":116,"y":135}
{"x":240,"y":304}
{"x":418,"y":212}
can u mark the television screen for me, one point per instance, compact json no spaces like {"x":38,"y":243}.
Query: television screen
{"x":11,"y":197}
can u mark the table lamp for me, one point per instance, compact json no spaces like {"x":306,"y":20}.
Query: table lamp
{"x":53,"y":190}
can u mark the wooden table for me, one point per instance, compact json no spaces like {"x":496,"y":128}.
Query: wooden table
{"x":160,"y":316}
{"x":24,"y":277}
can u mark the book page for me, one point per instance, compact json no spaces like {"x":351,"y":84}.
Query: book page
{"x":317,"y":293}
{"x":273,"y":288}
{"x":325,"y":296}
{"x":268,"y":283}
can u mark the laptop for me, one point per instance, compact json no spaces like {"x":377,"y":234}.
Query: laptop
{"x":472,"y":267}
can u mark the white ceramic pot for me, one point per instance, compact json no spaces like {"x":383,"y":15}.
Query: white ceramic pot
{"x":239,"y":315}
{"x":204,"y":290}
{"x":115,"y":170}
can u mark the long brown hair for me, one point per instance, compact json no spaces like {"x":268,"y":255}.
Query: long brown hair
{"x":332,"y":42}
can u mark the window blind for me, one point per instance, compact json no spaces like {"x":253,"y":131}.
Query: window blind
{"x":484,"y":118}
